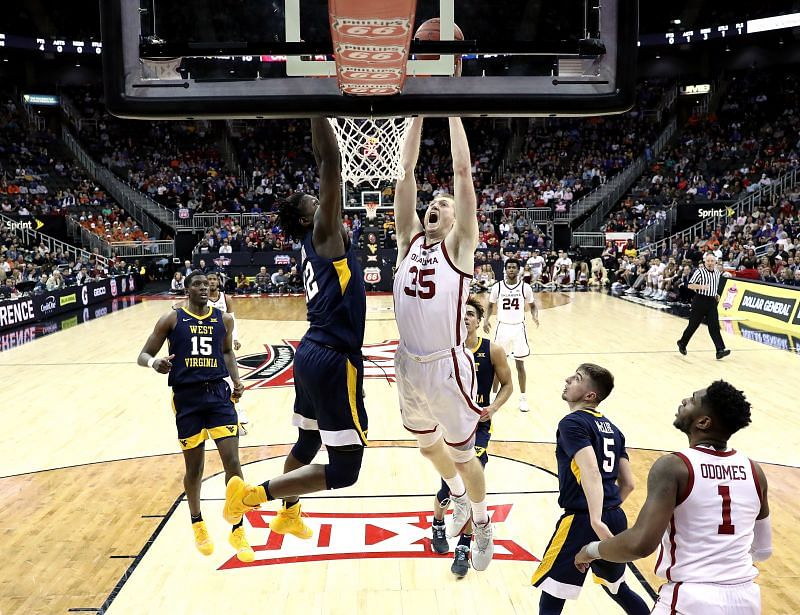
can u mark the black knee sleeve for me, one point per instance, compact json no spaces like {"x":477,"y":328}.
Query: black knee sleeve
{"x":307,"y":446}
{"x":344,"y":465}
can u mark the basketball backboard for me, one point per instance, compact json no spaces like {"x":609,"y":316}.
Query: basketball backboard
{"x":251,"y":58}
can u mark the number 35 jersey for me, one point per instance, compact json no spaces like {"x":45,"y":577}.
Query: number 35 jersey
{"x":335,"y":298}
{"x":196,"y":341}
{"x":429,"y":299}
{"x":577,"y":430}
{"x":711,"y":531}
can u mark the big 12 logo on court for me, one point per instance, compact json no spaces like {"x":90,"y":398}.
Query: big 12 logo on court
{"x":275,"y":366}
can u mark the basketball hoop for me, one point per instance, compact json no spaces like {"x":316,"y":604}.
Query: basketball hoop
{"x":372,"y":210}
{"x":370,"y":148}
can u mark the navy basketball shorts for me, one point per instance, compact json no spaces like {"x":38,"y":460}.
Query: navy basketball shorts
{"x":557,"y":574}
{"x":329,"y":397}
{"x":482,"y":436}
{"x":202,"y":411}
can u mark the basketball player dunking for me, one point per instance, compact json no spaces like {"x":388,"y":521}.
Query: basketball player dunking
{"x":490,"y":364}
{"x":707,"y":505}
{"x":328,"y":365}
{"x":512,"y":298}
{"x":435,"y":372}
{"x":218,"y":299}
{"x":201,"y":359}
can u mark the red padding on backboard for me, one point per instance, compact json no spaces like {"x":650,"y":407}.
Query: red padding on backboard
{"x":370,"y":42}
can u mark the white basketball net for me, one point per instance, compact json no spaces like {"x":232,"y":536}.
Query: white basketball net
{"x":372,"y":210}
{"x":370,"y":148}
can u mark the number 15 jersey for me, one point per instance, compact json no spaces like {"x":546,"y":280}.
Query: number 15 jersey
{"x":429,"y":299}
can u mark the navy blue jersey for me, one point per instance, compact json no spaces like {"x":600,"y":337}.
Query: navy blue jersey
{"x":575,"y":431}
{"x":335,"y":297}
{"x":196,"y":341}
{"x":484,"y":371}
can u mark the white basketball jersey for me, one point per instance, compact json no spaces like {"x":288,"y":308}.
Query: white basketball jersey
{"x":711,"y":531}
{"x":219,"y":303}
{"x":511,"y":301}
{"x":429,"y":298}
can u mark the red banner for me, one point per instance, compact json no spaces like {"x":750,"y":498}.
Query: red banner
{"x":371,"y":42}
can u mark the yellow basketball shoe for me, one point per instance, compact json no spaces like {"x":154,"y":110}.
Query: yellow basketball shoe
{"x":289,"y":521}
{"x":235,"y":493}
{"x":244,"y":552}
{"x":202,"y":540}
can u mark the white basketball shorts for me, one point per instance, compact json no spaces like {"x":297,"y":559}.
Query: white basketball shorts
{"x":437,"y":395}
{"x":513,"y":339}
{"x":708,"y":599}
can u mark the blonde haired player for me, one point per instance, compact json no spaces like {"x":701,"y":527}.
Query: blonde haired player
{"x":707,"y":504}
{"x":512,"y":298}
{"x":435,"y":371}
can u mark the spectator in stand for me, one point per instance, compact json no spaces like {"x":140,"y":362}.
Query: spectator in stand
{"x":243,"y":285}
{"x":177,"y":284}
{"x":55,"y":281}
{"x":279,"y":280}
{"x":262,"y":280}
{"x":225,"y":248}
{"x":748,"y":271}
{"x":82,"y":277}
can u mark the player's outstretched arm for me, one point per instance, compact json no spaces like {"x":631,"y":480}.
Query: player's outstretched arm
{"x":466,"y":225}
{"x":230,"y":358}
{"x":625,"y":480}
{"x":147,"y":357}
{"x":328,"y":218}
{"x":641,"y":540}
{"x":592,"y":485}
{"x":494,"y":295}
{"x":502,"y":373}
{"x":761,"y":548}
{"x":407,"y":223}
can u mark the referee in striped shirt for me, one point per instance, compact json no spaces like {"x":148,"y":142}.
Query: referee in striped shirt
{"x":705,"y":283}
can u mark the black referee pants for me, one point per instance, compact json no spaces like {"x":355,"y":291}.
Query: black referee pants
{"x":703,"y":308}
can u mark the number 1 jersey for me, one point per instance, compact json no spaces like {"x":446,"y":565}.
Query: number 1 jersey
{"x":577,"y":430}
{"x":711,"y":531}
{"x":429,"y":299}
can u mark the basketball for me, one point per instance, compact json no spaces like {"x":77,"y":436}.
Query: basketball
{"x":429,"y":31}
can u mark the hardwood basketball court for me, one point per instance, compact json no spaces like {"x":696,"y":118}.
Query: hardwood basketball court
{"x":94,"y":517}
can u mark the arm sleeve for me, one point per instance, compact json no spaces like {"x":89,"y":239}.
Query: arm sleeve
{"x":762,"y":540}
{"x":574,"y":436}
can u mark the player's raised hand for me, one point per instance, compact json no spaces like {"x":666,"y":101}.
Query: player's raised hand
{"x":162,"y":366}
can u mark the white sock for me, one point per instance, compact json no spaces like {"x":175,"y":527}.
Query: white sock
{"x":522,"y":396}
{"x":456,"y":485}
{"x":479,"y":514}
